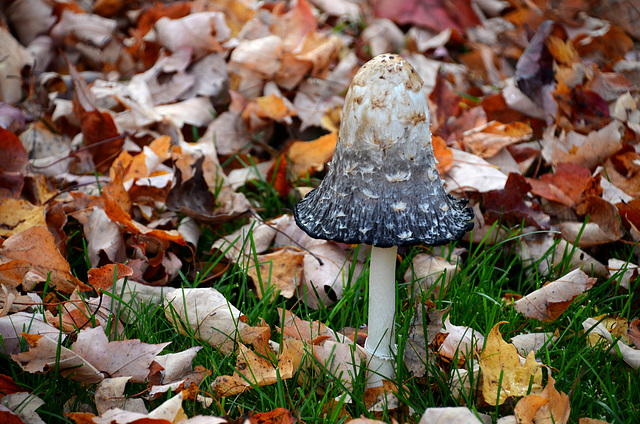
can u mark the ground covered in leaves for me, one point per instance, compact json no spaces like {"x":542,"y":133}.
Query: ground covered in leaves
{"x":151,"y":270}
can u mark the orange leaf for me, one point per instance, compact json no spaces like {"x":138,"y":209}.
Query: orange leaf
{"x":277,"y":177}
{"x":443,"y":154}
{"x":102,"y":278}
{"x":309,"y":157}
{"x":38,"y":247}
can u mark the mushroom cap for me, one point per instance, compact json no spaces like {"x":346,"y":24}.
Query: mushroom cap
{"x":382,"y":187}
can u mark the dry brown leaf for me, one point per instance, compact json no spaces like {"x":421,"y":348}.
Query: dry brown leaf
{"x":24,"y":405}
{"x":450,"y":415}
{"x":535,"y":247}
{"x":430,"y":274}
{"x":17,"y":215}
{"x":340,"y":360}
{"x":324,"y":283}
{"x":12,"y":326}
{"x":105,"y":277}
{"x":207,"y":314}
{"x":46,"y":354}
{"x":38,"y":246}
{"x":416,"y":353}
{"x":549,"y":407}
{"x":634,"y":332}
{"x":103,"y":237}
{"x":110,"y":394}
{"x":177,"y":365}
{"x":550,"y":301}
{"x":202,"y":32}
{"x":533,"y":342}
{"x":460,"y":342}
{"x":16,"y":57}
{"x":629,"y":355}
{"x":486,"y":141}
{"x":472,"y":173}
{"x":240,"y":245}
{"x":128,"y":358}
{"x":589,"y":151}
{"x":504,"y":373}
{"x":277,"y":272}
{"x":12,"y":272}
{"x":168,"y":412}
{"x":253,"y":370}
{"x":303,"y":330}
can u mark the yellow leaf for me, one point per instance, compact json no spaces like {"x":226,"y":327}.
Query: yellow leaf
{"x":503,"y":373}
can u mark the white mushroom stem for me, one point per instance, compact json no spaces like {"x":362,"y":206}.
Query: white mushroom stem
{"x":382,"y":309}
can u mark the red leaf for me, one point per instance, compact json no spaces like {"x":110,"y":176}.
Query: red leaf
{"x":508,"y":204}
{"x":13,"y":158}
{"x":565,"y":186}
{"x":97,"y":127}
{"x":435,"y":14}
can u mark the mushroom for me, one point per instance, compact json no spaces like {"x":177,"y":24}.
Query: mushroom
{"x":383,"y":189}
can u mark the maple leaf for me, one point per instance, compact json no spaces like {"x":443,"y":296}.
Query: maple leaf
{"x":37,"y":246}
{"x":504,"y":374}
{"x":128,"y":358}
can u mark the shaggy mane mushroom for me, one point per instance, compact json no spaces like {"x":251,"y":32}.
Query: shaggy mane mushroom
{"x":383,"y":189}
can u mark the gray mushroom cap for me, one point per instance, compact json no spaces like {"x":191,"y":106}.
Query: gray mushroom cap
{"x":382,"y":187}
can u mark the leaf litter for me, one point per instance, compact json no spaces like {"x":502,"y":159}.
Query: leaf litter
{"x":135,"y":122}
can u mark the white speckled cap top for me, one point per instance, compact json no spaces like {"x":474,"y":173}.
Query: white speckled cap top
{"x":383,"y":187}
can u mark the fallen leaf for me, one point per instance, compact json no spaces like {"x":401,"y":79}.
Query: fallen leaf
{"x":106,"y":276}
{"x":253,"y":370}
{"x":487,"y":140}
{"x":504,"y":373}
{"x":460,"y":342}
{"x":589,"y":151}
{"x":629,"y":355}
{"x":24,"y":405}
{"x":37,"y":246}
{"x":430,"y":274}
{"x":309,"y":157}
{"x":46,"y":354}
{"x":550,"y":301}
{"x":278,"y":273}
{"x":634,"y":332}
{"x":450,"y":415}
{"x":565,"y":185}
{"x":14,"y":156}
{"x":472,"y":173}
{"x":458,"y":14}
{"x":109,"y":394}
{"x":104,"y":238}
{"x":128,"y":358}
{"x":17,"y":215}
{"x":443,"y":154}
{"x":207,"y":314}
{"x":277,"y":416}
{"x":549,"y":253}
{"x":98,"y":128}
{"x":508,"y":205}
{"x":603,"y":224}
{"x":422,"y":331}
{"x":533,"y":342}
{"x":325,"y":282}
